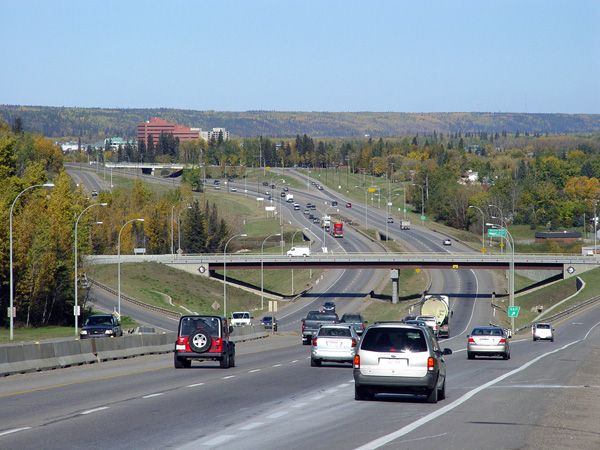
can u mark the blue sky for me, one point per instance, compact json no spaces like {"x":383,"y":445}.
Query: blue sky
{"x":408,"y":56}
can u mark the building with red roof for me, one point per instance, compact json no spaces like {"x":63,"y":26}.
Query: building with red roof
{"x":155,"y":126}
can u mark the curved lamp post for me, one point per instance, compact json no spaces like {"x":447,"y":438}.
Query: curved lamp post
{"x":225,"y":272}
{"x":262,"y":248}
{"x":75,"y":312}
{"x":11,"y":302}
{"x":119,"y":264}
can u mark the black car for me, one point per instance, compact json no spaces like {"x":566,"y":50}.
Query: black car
{"x":328,"y":307}
{"x":269,"y":322}
{"x":334,"y":203}
{"x":202,"y":338}
{"x":101,"y":325}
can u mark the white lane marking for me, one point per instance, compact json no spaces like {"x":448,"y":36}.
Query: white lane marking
{"x":317,"y":397}
{"x":294,"y":361}
{"x":277,"y":415}
{"x":219,"y":439}
{"x":351,"y":381}
{"x":299,"y":405}
{"x":15,"y":430}
{"x":546,"y":386}
{"x":472,"y":310}
{"x":90,"y":411}
{"x":434,"y":415}
{"x":194,"y":385}
{"x":343,"y":385}
{"x":152,"y":395}
{"x":330,"y":391}
{"x":251,"y":426}
{"x":254,"y":370}
{"x":228,"y":377}
{"x":591,"y":329}
{"x":276,"y":365}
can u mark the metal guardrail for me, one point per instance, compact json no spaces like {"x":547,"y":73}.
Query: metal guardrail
{"x":563,"y":313}
{"x":166,"y":312}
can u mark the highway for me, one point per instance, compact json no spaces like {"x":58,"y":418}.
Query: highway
{"x":274,"y":399}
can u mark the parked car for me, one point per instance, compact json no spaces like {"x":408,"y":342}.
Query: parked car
{"x":269,"y":322}
{"x":333,"y":343}
{"x":447,"y":242}
{"x":348,"y":205}
{"x":101,"y":325}
{"x":204,"y":338}
{"x":401,"y":359}
{"x":328,"y":307}
{"x":356,"y":321}
{"x":542,"y":331}
{"x":488,"y":341}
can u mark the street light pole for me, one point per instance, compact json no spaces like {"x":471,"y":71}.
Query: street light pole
{"x":75,"y":312}
{"x":500,"y":219}
{"x":172,"y":231}
{"x":225,"y":272}
{"x":119,"y":264}
{"x":511,"y":272}
{"x":262,"y":247}
{"x":11,"y":302}
{"x":482,"y":226}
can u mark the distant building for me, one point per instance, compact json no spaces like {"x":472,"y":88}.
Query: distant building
{"x":68,"y":146}
{"x":155,"y":126}
{"x":214,"y":134}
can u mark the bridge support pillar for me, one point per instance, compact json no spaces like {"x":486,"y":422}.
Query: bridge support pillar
{"x":395,"y":276}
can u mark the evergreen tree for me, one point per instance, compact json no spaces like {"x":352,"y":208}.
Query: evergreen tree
{"x":17,"y":126}
{"x":193,"y":230}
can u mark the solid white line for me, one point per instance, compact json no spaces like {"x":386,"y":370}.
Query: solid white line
{"x":434,"y":415}
{"x":317,"y":397}
{"x":152,"y":395}
{"x":251,"y":426}
{"x":219,"y":439}
{"x":16,"y":430}
{"x":195,"y":385}
{"x":254,"y":370}
{"x":545,"y":386}
{"x":351,"y":381}
{"x":343,"y":385}
{"x":90,"y":411}
{"x":330,"y":391}
{"x":277,"y":415}
{"x":228,"y":377}
{"x":299,"y":405}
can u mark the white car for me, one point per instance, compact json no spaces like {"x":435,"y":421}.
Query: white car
{"x":233,"y":189}
{"x":241,"y":319}
{"x":299,"y":251}
{"x":333,"y":343}
{"x":542,"y":331}
{"x":447,"y":242}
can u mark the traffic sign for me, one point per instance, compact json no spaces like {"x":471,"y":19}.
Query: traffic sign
{"x":513,"y":311}
{"x":423,"y":217}
{"x":371,"y":190}
{"x":496,"y":232}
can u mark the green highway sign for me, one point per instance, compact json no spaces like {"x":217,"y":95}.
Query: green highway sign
{"x":496,"y":232}
{"x":423,"y":217}
{"x":513,"y":311}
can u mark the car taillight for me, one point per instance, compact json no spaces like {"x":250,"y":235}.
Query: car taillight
{"x":314,"y":342}
{"x":353,"y":343}
{"x":471,"y":340}
{"x":502,"y":341}
{"x":182,"y":339}
{"x":430,"y":363}
{"x":217,"y":344}
{"x":357,"y":361}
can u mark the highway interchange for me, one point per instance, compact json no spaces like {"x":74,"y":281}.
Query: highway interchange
{"x":274,"y":399}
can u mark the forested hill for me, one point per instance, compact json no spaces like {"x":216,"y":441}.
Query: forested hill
{"x":97,"y":123}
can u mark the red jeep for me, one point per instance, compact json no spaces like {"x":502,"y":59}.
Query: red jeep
{"x":204,"y":337}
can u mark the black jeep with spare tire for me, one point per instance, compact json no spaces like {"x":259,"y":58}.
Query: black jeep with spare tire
{"x":204,"y":337}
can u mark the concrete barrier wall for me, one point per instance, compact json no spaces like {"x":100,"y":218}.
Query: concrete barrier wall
{"x":33,"y":357}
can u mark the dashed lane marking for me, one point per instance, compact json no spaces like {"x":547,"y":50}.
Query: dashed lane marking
{"x":194,"y":385}
{"x":276,"y":365}
{"x":251,"y":426}
{"x":254,"y":370}
{"x":294,"y":361}
{"x":228,"y":377}
{"x":91,"y":411}
{"x":153,"y":395}
{"x":15,"y":430}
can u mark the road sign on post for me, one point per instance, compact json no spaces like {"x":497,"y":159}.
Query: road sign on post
{"x":496,"y":232}
{"x":513,"y":311}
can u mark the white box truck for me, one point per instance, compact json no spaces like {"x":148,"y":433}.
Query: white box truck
{"x":289,"y":198}
{"x":299,"y":251}
{"x":405,"y":224}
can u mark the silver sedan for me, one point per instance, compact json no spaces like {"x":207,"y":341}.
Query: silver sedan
{"x":333,"y":343}
{"x":489,"y":341}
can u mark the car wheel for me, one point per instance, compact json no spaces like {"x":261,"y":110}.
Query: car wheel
{"x":306,"y":342}
{"x":224,"y":363}
{"x":360,"y":393}
{"x":433,"y":395}
{"x":470,"y":355}
{"x":442,"y":392}
{"x":232,"y":360}
{"x":275,"y":329}
{"x":506,"y":355}
{"x":551,"y":339}
{"x":315,"y":362}
{"x":534,"y":339}
{"x":200,"y":342}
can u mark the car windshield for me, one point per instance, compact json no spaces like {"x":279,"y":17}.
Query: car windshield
{"x":334,"y":332}
{"x":267,"y":319}
{"x":394,"y":340}
{"x":240,"y":315}
{"x":209,"y":325}
{"x":351,"y":318}
{"x":99,"y":320}
{"x":543,"y":326}
{"x":487,"y":332}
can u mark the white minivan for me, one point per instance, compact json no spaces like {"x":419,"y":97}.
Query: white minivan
{"x":299,"y":251}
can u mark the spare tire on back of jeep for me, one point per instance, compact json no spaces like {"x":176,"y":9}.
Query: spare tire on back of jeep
{"x":200,"y":341}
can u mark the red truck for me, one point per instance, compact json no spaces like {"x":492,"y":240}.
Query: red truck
{"x":338,"y":230}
